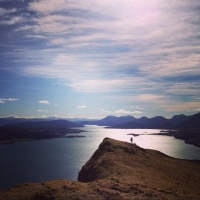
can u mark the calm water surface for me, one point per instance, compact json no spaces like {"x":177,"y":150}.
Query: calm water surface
{"x":42,"y":160}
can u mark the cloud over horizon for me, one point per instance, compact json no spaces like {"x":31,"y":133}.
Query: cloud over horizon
{"x":82,"y":106}
{"x":9,"y":99}
{"x":44,"y":102}
{"x":122,"y":112}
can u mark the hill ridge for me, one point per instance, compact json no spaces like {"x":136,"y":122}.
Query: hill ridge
{"x":120,"y":170}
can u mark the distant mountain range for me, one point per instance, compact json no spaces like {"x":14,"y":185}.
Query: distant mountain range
{"x":192,"y":122}
{"x":13,"y":120}
{"x":12,"y":129}
{"x":158,"y":122}
{"x":46,"y":124}
{"x":112,"y":120}
{"x":125,"y":122}
{"x":188,"y":127}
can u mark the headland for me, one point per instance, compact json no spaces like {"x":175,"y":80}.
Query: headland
{"x":120,"y":170}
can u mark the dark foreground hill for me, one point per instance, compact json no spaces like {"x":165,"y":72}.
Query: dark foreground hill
{"x":120,"y":170}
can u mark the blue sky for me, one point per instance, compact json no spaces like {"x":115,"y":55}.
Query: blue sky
{"x":90,"y":58}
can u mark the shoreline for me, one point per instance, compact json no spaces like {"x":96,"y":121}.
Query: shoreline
{"x":7,"y":142}
{"x":119,"y":170}
{"x":184,"y":135}
{"x":13,"y":135}
{"x":177,"y":134}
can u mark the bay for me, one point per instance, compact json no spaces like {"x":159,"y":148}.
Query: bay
{"x":42,"y":160}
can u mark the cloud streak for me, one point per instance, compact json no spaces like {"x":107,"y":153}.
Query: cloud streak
{"x":126,"y":112}
{"x":121,"y":112}
{"x":132,"y":50}
{"x":44,"y":102}
{"x":6,"y":11}
{"x":82,"y":106}
{"x":94,"y":40}
{"x":9,"y":99}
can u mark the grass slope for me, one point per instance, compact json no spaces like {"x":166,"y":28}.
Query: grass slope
{"x":120,"y":170}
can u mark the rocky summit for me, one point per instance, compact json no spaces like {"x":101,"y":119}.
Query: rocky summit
{"x":120,"y":170}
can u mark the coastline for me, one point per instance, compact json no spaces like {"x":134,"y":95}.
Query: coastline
{"x":120,"y":170}
{"x":188,"y":136}
{"x":12,"y":135}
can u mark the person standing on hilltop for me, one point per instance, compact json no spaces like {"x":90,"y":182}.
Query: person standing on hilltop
{"x":131,"y":140}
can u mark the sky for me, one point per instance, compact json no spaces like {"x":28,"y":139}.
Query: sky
{"x":94,"y":58}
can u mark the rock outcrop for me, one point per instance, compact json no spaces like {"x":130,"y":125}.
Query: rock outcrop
{"x":120,"y":170}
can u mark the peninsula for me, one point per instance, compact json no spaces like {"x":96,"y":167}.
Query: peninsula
{"x":38,"y":130}
{"x":120,"y":170}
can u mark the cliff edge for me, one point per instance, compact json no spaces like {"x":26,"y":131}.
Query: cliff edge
{"x":120,"y":170}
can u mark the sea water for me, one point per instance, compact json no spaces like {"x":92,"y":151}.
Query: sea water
{"x":42,"y":160}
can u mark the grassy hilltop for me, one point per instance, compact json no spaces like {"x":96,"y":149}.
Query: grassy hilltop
{"x":120,"y":170}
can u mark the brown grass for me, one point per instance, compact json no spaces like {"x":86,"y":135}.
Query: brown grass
{"x":119,"y":170}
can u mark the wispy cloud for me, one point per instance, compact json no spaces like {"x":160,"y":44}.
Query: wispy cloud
{"x":9,"y":99}
{"x":174,"y":106}
{"x":48,"y":6}
{"x":150,"y":97}
{"x":134,"y":50}
{"x":44,"y":102}
{"x":13,"y":20}
{"x":6,"y":11}
{"x":1,"y":101}
{"x":82,"y":106}
{"x":122,"y":112}
{"x":152,"y":57}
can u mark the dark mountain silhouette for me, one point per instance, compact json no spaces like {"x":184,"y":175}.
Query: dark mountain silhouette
{"x":189,"y":130}
{"x":112,"y":120}
{"x":11,"y":120}
{"x":143,"y":120}
{"x":193,"y":122}
{"x":129,"y":125}
{"x":47,"y":124}
{"x":177,"y":119}
{"x":36,"y":130}
{"x":157,"y":122}
{"x":188,"y":126}
{"x":177,"y":122}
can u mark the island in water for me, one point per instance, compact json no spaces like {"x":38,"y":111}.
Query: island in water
{"x":120,"y":170}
